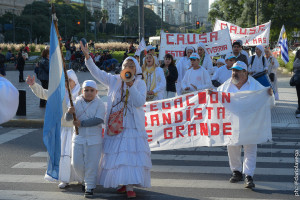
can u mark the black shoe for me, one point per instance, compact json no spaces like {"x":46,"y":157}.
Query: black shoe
{"x":89,"y":193}
{"x":297,"y":112}
{"x":236,"y":177}
{"x":249,"y":182}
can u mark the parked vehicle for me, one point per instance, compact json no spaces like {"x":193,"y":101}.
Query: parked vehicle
{"x":276,"y":52}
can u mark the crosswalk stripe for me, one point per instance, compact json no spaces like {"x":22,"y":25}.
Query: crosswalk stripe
{"x":199,"y":158}
{"x":284,"y":143}
{"x":173,"y":183}
{"x":224,"y":149}
{"x":11,"y":135}
{"x":178,"y":169}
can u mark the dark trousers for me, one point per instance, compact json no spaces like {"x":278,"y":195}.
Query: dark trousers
{"x":45,"y":86}
{"x":298,"y":95}
{"x":21,"y":76}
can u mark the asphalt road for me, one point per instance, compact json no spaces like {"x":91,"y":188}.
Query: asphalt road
{"x":184,"y":174}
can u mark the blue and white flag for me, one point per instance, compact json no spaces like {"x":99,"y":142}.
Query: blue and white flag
{"x":282,"y":42}
{"x":54,"y":111}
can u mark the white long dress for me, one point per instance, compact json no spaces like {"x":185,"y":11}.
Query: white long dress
{"x":66,"y":170}
{"x":182,"y":65}
{"x":126,"y":157}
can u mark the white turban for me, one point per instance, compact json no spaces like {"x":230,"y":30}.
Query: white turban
{"x":221,"y":60}
{"x":261,"y":48}
{"x":202,"y":45}
{"x":90,"y":83}
{"x":72,"y":75}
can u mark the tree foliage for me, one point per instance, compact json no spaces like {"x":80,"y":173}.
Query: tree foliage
{"x":243,"y":12}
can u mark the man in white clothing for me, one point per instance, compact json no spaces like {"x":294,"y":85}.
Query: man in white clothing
{"x":223,"y":73}
{"x":240,"y":81}
{"x":196,"y":78}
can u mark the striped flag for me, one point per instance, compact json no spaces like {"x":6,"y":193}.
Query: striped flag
{"x":282,"y":42}
{"x":54,"y":112}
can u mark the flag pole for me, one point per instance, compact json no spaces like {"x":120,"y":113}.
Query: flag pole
{"x":54,"y":18}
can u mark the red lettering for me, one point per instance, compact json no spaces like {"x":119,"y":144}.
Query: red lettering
{"x":241,"y":31}
{"x":192,"y":127}
{"x":178,"y":131}
{"x":215,"y":130}
{"x":154,"y":118}
{"x":202,"y":38}
{"x":209,"y":109}
{"x":166,"y":119}
{"x":223,"y":26}
{"x":233,"y":29}
{"x":201,"y":97}
{"x":149,"y":136}
{"x":261,"y":28}
{"x":188,"y":114}
{"x":225,"y":128}
{"x":225,"y":96}
{"x":166,"y":105}
{"x":259,"y":40}
{"x":221,"y":110}
{"x":203,"y":129}
{"x":168,"y":40}
{"x":265,"y":40}
{"x":254,"y":41}
{"x":153,"y":107}
{"x":168,"y":134}
{"x":247,"y":41}
{"x":188,"y":101}
{"x":178,"y":100}
{"x":193,"y":41}
{"x":180,"y":37}
{"x":212,"y":95}
{"x":198,"y":115}
{"x":252,"y":31}
{"x":213,"y":35}
{"x":178,"y":117}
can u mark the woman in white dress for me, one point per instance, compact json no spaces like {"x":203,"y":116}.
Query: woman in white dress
{"x":205,"y":60}
{"x":183,"y":64}
{"x":155,"y":79}
{"x":126,"y":160}
{"x":272,"y":71}
{"x":66,"y":170}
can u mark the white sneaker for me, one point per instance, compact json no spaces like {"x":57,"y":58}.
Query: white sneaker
{"x":62,"y":185}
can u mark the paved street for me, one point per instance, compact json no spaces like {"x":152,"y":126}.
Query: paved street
{"x":197,"y":173}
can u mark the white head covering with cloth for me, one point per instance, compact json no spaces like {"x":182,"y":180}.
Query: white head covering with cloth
{"x":202,"y":45}
{"x":138,"y":69}
{"x":75,"y":91}
{"x":90,"y":83}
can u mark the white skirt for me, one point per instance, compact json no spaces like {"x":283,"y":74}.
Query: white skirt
{"x":126,"y":160}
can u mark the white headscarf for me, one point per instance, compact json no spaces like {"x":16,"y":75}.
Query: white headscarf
{"x":90,"y":83}
{"x":261,"y":48}
{"x":75,"y":90}
{"x":221,"y":60}
{"x":189,"y":48}
{"x":138,"y":69}
{"x":202,"y":45}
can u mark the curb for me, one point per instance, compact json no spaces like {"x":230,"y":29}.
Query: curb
{"x":39,"y":123}
{"x":24,"y":123}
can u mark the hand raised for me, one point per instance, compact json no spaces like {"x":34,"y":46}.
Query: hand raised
{"x":30,"y":80}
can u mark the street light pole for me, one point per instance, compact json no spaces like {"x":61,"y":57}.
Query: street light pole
{"x":141,"y":27}
{"x":84,"y":19}
{"x":256,"y":13}
{"x":162,"y":14}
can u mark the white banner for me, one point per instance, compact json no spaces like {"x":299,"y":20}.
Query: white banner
{"x":250,"y":36}
{"x":217,"y":43}
{"x":216,"y":119}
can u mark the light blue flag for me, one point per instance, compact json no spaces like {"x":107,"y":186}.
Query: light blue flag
{"x":282,"y":42}
{"x":54,"y":112}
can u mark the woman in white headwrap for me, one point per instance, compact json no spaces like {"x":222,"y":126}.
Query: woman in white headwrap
{"x":66,"y":171}
{"x":9,"y":100}
{"x":205,"y":60}
{"x":183,"y":64}
{"x":272,"y":71}
{"x":258,"y":63}
{"x":126,"y":158}
{"x":154,"y":78}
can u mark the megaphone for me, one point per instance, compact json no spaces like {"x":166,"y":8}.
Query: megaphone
{"x":127,"y":75}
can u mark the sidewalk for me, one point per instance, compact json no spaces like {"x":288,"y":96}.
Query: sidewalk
{"x":283,"y":117}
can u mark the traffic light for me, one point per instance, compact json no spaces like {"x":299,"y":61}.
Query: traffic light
{"x":197,"y":24}
{"x":78,"y":22}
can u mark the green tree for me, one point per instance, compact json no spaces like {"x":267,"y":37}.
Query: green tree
{"x":104,"y":19}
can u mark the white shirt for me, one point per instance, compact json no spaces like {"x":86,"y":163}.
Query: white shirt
{"x":208,"y":65}
{"x":251,"y":84}
{"x":222,"y":74}
{"x":182,"y":65}
{"x":87,"y":110}
{"x":272,"y":68}
{"x":160,"y":83}
{"x":199,"y":78}
{"x":257,"y":65}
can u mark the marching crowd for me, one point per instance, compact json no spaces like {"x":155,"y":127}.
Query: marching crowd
{"x":121,"y":159}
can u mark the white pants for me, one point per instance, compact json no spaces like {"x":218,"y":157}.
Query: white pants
{"x":86,"y":161}
{"x":235,"y":161}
